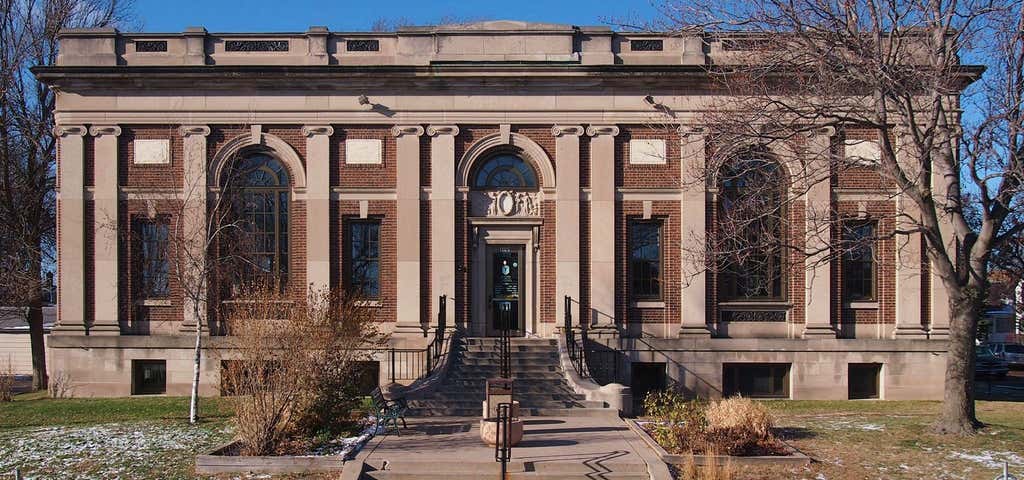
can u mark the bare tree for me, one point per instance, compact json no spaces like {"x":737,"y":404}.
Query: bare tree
{"x":893,"y":72}
{"x":28,"y":38}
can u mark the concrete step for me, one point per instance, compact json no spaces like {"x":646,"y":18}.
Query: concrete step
{"x":495,"y":471}
{"x":512,"y":341}
{"x":520,"y":388}
{"x":472,"y":403}
{"x":538,"y":354}
{"x":520,"y":394}
{"x":440,"y":411}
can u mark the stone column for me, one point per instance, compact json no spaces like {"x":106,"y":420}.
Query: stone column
{"x":408,"y":213}
{"x":318,"y":206}
{"x":567,"y":214}
{"x":692,"y":232}
{"x":908,"y":272}
{"x":442,"y":219}
{"x":71,"y":234}
{"x":602,"y":225}
{"x":818,"y":275}
{"x":194,"y":222}
{"x":940,"y":296}
{"x":105,"y":297}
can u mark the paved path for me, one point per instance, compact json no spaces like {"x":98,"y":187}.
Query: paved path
{"x":560,"y":447}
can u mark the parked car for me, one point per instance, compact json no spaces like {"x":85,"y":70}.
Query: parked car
{"x":987,"y":364}
{"x":1012,"y":353}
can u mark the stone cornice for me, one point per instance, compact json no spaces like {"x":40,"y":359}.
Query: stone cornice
{"x":567,"y":130}
{"x":67,"y":130}
{"x":101,"y":130}
{"x":598,"y":130}
{"x":435,"y":130}
{"x":400,"y":130}
{"x":189,"y":130}
{"x":313,"y":130}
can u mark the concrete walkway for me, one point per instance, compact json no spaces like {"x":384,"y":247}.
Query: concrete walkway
{"x":552,"y":447}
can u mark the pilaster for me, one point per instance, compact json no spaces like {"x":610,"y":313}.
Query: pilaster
{"x":442,"y":219}
{"x":318,"y":206}
{"x":693,"y":232}
{"x":567,"y":212}
{"x":194,"y":222}
{"x":602,"y":225}
{"x":408,"y":213}
{"x":71,"y":234}
{"x":818,"y":220}
{"x":105,"y":231}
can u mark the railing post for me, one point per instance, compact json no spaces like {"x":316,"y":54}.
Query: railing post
{"x":392,"y":364}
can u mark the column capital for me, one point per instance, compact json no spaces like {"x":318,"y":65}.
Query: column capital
{"x":567,"y":130}
{"x":402,"y":130}
{"x":315,"y":130}
{"x":691,"y":130}
{"x":598,"y":130}
{"x":435,"y":130}
{"x":69,"y":130}
{"x":101,"y":130}
{"x":826,"y":131}
{"x":189,"y":130}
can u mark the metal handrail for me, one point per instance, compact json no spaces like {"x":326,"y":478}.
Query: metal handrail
{"x":582,"y":357}
{"x":414,"y":363}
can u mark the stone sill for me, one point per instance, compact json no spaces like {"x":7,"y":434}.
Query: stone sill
{"x":648,"y":304}
{"x":154,"y":302}
{"x":865,"y":305}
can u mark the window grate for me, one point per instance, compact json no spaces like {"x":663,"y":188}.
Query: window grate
{"x":256,"y":46}
{"x":362,"y":45}
{"x":150,"y":46}
{"x":646,"y":45}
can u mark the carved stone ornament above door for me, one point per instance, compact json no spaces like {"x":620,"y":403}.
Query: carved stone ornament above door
{"x":504,"y":203}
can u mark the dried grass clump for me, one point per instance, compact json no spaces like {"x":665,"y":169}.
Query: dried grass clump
{"x":293,"y":366}
{"x":740,"y":414}
{"x":7,"y":381}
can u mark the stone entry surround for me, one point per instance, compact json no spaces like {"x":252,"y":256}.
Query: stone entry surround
{"x":570,"y":100}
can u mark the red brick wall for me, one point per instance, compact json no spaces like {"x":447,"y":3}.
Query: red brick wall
{"x":137,"y":319}
{"x":150,"y":176}
{"x":357,"y":175}
{"x":384,"y":210}
{"x":671,"y":282}
{"x":883,"y":212}
{"x":647,"y":176}
{"x":855,"y":176}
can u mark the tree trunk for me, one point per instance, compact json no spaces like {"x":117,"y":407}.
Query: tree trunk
{"x":193,"y":408}
{"x":957,"y":415}
{"x":35,"y":328}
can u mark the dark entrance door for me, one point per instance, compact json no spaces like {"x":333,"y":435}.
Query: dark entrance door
{"x":504,"y":288}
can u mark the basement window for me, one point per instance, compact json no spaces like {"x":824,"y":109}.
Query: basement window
{"x":756,"y":380}
{"x":864,"y":380}
{"x":149,"y":377}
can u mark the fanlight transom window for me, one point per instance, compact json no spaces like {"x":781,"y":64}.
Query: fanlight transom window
{"x":505,"y":171}
{"x":258,"y":186}
{"x":750,"y":229}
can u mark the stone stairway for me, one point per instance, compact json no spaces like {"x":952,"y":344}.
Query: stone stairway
{"x":540,"y":385}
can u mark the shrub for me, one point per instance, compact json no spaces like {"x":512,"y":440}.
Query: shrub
{"x":294,"y":366}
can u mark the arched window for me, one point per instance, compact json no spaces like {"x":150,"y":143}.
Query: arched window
{"x":505,"y":171}
{"x":750,"y":229}
{"x":258,"y":186}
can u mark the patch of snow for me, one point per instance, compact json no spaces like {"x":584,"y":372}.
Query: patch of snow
{"x":105,"y":451}
{"x":990,"y":459}
{"x":347,"y":447}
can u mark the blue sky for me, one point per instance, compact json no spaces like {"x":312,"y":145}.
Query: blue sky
{"x":297,"y":15}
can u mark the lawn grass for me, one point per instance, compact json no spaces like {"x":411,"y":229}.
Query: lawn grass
{"x":893,"y":440}
{"x":36,"y":410}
